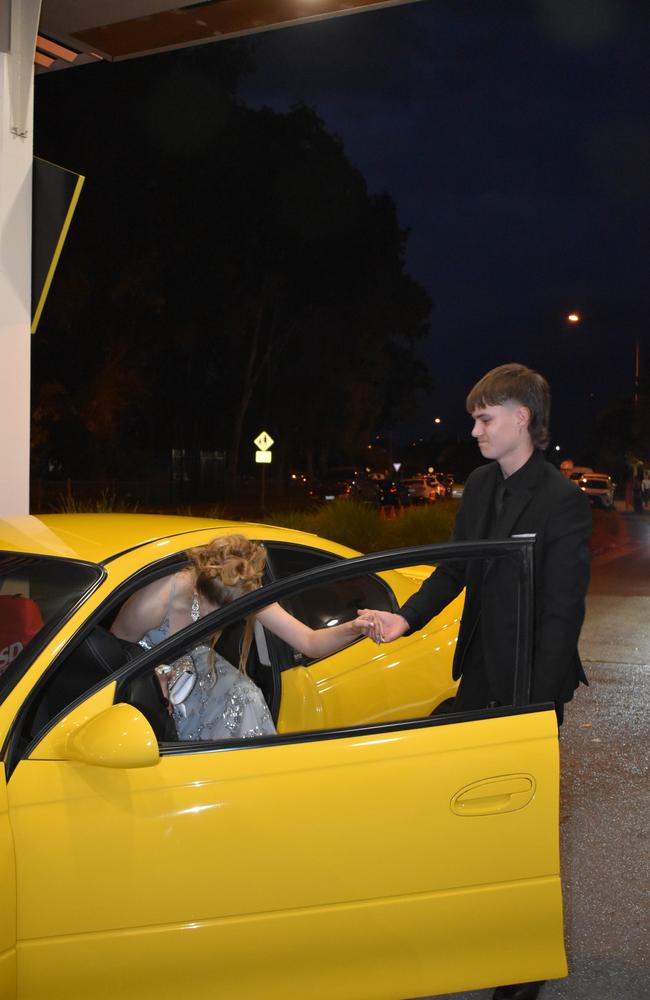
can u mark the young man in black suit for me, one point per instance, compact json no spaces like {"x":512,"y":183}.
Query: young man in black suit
{"x":517,"y":493}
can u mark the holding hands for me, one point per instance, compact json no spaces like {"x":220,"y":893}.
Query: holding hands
{"x":381,"y":626}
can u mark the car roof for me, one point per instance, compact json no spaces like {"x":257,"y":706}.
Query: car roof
{"x":98,"y":537}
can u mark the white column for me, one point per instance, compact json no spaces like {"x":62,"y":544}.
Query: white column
{"x":16,"y":151}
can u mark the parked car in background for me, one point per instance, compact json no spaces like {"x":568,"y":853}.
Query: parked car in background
{"x":447,"y":479}
{"x":347,"y":483}
{"x":324,"y":491}
{"x":393,"y":493}
{"x":421,"y":490}
{"x":366,"y":490}
{"x":578,"y":471}
{"x":598,"y":486}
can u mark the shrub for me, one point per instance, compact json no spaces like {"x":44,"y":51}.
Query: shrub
{"x":361,"y":527}
{"x":426,"y":525}
{"x":106,"y":503}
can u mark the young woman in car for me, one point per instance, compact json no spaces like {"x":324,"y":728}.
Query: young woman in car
{"x":210,"y":698}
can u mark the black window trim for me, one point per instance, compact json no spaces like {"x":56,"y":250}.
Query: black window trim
{"x":52,"y":627}
{"x":356,"y":732}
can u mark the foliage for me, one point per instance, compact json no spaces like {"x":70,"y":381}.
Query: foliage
{"x":363,"y":528}
{"x":227,"y":270}
{"x":106,"y":503}
{"x":621,"y":435}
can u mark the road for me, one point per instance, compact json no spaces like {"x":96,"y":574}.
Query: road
{"x":604,"y":815}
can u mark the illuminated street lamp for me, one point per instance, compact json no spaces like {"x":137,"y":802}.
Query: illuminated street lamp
{"x":574,"y":318}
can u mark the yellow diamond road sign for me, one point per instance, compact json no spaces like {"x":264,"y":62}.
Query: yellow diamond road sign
{"x":264,"y":441}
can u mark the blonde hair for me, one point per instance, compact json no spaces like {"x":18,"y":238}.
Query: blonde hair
{"x":225,"y":569}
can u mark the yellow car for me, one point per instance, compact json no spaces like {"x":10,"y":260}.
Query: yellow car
{"x":373,"y":848}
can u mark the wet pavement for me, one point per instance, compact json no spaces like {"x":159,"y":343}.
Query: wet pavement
{"x":605,"y":787}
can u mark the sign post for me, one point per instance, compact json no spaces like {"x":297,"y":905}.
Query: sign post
{"x":263,"y":457}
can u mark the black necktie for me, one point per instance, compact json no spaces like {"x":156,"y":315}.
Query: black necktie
{"x":500,"y":495}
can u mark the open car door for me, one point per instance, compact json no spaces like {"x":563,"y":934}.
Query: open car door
{"x":403,"y":859}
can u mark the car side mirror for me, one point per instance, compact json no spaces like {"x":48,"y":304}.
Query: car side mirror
{"x":120,"y":736}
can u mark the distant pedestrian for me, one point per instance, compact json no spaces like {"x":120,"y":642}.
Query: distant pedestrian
{"x":629,"y":493}
{"x":646,"y":488}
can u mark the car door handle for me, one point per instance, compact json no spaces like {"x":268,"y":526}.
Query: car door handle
{"x":502,"y":794}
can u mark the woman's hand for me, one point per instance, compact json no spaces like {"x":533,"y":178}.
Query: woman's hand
{"x":381,"y":626}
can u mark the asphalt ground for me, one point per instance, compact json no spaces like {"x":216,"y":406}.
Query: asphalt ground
{"x":605,"y":787}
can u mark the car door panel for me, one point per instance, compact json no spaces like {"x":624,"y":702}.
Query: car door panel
{"x":316,"y":866}
{"x":365,"y":684}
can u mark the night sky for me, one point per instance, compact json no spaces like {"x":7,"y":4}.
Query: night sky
{"x":514,"y":139}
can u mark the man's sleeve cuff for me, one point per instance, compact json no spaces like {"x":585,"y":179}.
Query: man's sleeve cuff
{"x":413,"y":619}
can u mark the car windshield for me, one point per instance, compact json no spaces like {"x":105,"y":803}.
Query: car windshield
{"x":35,"y":592}
{"x":595,"y":484}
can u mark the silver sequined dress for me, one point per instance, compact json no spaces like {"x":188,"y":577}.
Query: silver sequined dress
{"x":224,"y":703}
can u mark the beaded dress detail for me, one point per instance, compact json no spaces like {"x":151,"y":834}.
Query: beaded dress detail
{"x":224,"y":703}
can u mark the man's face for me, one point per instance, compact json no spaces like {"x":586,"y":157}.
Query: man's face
{"x":501,"y":432}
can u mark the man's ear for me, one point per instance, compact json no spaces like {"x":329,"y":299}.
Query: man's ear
{"x":523,"y":417}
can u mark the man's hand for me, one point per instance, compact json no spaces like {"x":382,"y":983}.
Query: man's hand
{"x":381,"y":626}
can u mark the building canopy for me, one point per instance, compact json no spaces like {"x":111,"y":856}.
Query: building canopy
{"x":73,"y":33}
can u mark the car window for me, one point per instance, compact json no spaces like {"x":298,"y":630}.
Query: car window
{"x":332,"y":603}
{"x":36,"y":592}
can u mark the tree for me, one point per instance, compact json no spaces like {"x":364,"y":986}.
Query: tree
{"x":228,"y":270}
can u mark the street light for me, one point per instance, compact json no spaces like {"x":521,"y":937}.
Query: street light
{"x":574,"y":317}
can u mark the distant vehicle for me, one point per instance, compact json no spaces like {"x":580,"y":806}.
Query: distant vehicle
{"x":366,"y":490}
{"x":393,"y":493}
{"x":578,"y":471}
{"x":344,"y":483}
{"x":439,"y":484}
{"x":598,"y":486}
{"x":433,"y":482}
{"x":448,"y":479}
{"x":420,"y":490}
{"x":327,"y":490}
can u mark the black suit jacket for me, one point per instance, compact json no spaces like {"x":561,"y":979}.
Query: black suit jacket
{"x":558,"y":513}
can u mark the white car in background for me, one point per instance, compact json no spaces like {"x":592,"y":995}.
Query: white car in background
{"x":598,"y":486}
{"x":424,"y":489}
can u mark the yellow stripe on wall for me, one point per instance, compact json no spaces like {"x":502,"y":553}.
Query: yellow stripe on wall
{"x":57,"y":252}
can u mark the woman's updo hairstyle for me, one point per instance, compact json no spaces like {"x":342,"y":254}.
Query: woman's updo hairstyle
{"x":228,"y":567}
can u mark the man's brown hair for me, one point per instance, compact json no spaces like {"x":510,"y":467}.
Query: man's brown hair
{"x":516,"y":384}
